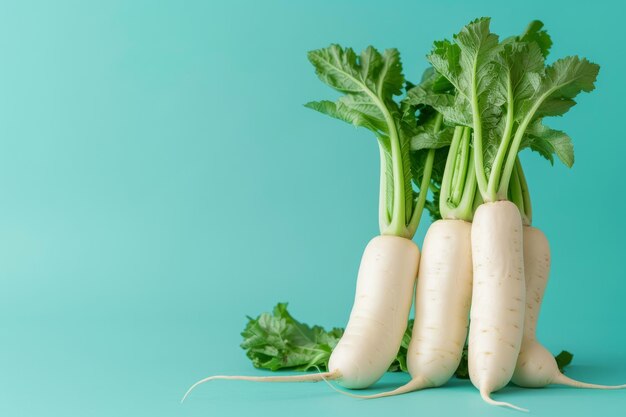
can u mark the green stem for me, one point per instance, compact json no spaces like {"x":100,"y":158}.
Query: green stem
{"x":494,"y":176}
{"x":478,"y":200}
{"x":517,"y":140}
{"x":446,"y":182}
{"x":515,"y":192}
{"x":465,"y":209}
{"x":398,"y":219}
{"x":511,"y":157}
{"x":424,"y":185}
{"x":438,"y":122}
{"x":423,"y":193}
{"x":462,"y":208}
{"x":481,"y":177}
{"x":456,"y":172}
{"x":528,"y":208}
{"x":458,"y":182}
{"x":383,"y":213}
{"x":518,"y":190}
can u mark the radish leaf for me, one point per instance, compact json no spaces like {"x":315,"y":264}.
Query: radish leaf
{"x":369,"y":82}
{"x":563,"y":359}
{"x":278,"y":341}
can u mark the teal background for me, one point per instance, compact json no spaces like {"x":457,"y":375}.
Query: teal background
{"x":160,"y":180}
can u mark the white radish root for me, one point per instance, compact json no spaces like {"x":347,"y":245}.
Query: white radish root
{"x":443,"y":299}
{"x":536,"y":367}
{"x":497,"y":312}
{"x":377,"y":322}
{"x":384,"y":294}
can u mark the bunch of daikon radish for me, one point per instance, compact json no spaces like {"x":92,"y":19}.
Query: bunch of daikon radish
{"x":458,"y":134}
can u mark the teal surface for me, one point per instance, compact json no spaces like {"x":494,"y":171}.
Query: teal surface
{"x":160,"y":180}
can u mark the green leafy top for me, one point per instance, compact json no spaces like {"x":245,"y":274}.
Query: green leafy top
{"x":369,"y":82}
{"x":502,"y":91}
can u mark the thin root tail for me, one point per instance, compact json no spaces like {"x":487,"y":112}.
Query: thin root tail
{"x":564,"y":380}
{"x":291,"y":378}
{"x":486,"y":397}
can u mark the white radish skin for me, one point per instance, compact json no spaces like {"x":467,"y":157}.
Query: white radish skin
{"x":443,"y":299}
{"x":497,"y":312}
{"x":442,"y":303}
{"x":536,"y":367}
{"x":372,"y":338}
{"x":384,"y":293}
